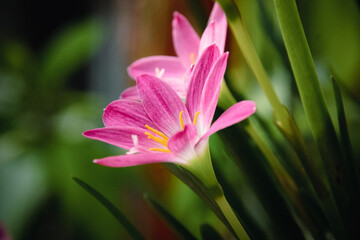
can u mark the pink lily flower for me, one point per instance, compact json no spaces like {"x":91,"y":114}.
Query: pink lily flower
{"x":188,"y":46}
{"x":161,"y":127}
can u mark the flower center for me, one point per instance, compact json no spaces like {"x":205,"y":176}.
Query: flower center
{"x":163,"y":139}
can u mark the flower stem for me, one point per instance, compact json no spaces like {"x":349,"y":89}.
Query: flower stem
{"x":248,"y":50}
{"x":231,"y":217}
{"x":281,"y":114}
{"x":202,"y":168}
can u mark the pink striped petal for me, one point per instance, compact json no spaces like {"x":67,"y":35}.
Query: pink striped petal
{"x":232,"y":115}
{"x":137,"y":159}
{"x":178,"y":85}
{"x":183,"y":142}
{"x":162,"y":104}
{"x":198,"y":77}
{"x":124,"y":113}
{"x":218,"y":16}
{"x":188,"y":77}
{"x":122,"y":137}
{"x":163,"y":67}
{"x":130,"y":93}
{"x":211,"y":91}
{"x":185,"y":40}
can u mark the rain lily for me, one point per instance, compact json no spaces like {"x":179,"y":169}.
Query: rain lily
{"x":161,"y":127}
{"x":188,"y":46}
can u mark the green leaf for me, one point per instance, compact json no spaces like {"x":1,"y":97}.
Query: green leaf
{"x":209,"y":233}
{"x":314,"y":104}
{"x":308,"y":83}
{"x":255,"y":170}
{"x":69,"y":49}
{"x":111,"y":208}
{"x":343,"y":127}
{"x":169,"y":218}
{"x":346,"y":146}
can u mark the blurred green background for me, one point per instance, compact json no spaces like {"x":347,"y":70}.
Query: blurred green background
{"x":62,"y":62}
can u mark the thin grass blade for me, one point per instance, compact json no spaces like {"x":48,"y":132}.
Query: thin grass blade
{"x":169,"y":218}
{"x":111,"y":208}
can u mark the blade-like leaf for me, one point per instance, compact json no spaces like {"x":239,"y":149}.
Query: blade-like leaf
{"x":344,"y":132}
{"x":208,"y":232}
{"x":352,"y":208}
{"x":169,"y":218}
{"x":111,"y":208}
{"x":256,"y":172}
{"x":311,"y":95}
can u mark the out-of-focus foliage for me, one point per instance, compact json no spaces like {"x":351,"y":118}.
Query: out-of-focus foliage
{"x":43,"y":113}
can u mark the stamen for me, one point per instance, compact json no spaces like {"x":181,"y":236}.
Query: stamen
{"x":192,"y":58}
{"x":135,"y":140}
{"x":181,"y":120}
{"x":157,"y":132}
{"x":160,"y":150}
{"x":157,"y":139}
{"x":196,"y":117}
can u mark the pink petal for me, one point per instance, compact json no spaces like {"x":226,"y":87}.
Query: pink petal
{"x":125,"y":112}
{"x":122,"y":137}
{"x":162,"y":104}
{"x":185,"y":39}
{"x":208,"y":37}
{"x":178,"y":85}
{"x":198,"y":77}
{"x":166,"y":66}
{"x":137,"y":159}
{"x":232,"y":115}
{"x":183,"y":142}
{"x":188,"y":77}
{"x":211,"y":91}
{"x":130,"y":93}
{"x":218,"y":16}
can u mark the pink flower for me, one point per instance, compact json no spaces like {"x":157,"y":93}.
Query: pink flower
{"x":188,"y":46}
{"x":161,"y":127}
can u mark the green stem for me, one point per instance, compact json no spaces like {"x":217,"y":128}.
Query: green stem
{"x":202,"y":168}
{"x":282,"y":116}
{"x":231,"y":217}
{"x":248,"y":50}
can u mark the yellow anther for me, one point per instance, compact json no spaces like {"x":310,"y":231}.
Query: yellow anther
{"x":157,"y":139}
{"x":157,"y":132}
{"x":192,"y":58}
{"x":181,"y":120}
{"x":160,"y":150}
{"x":196,"y":117}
